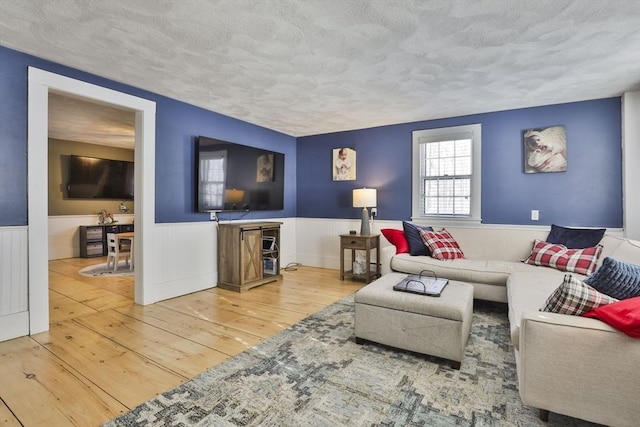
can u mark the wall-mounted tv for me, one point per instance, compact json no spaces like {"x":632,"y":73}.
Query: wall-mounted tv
{"x":235,"y":177}
{"x":94,"y":178}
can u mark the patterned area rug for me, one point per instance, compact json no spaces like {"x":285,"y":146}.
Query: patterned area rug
{"x":100,"y":270}
{"x":313,"y":374}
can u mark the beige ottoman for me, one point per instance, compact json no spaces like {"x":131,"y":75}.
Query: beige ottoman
{"x":437,"y":326}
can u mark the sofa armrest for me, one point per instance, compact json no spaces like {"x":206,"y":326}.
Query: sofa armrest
{"x":386,"y":253}
{"x":579,"y":367}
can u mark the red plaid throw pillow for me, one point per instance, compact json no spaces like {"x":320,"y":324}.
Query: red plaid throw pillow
{"x":575,"y":297}
{"x":581,"y":261}
{"x":441,"y":244}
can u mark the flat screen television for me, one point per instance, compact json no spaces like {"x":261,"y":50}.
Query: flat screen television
{"x":236,"y":177}
{"x":94,"y":178}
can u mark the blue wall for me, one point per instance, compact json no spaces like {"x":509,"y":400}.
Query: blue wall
{"x":589,"y":193}
{"x":177,"y":125}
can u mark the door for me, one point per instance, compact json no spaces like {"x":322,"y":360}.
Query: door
{"x":250,"y":256}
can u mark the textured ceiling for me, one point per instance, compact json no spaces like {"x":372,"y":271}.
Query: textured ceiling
{"x":307,"y":67}
{"x":74,"y":119}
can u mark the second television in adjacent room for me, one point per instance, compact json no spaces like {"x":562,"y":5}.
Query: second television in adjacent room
{"x":94,"y":178}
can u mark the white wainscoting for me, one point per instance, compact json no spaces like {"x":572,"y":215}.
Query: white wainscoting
{"x":318,"y":241}
{"x":184,"y":257}
{"x":183,"y":260}
{"x":288,"y":247}
{"x":14,"y":291}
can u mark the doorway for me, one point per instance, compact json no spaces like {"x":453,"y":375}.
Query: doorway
{"x":41,"y":83}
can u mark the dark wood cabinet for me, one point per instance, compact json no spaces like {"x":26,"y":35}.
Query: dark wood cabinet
{"x":93,"y":238}
{"x":248,"y":254}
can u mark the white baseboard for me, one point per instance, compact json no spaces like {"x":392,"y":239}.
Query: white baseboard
{"x":14,"y":325}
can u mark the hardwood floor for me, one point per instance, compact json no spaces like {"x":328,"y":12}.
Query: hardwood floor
{"x":104,"y":355}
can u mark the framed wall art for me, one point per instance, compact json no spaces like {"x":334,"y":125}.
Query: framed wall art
{"x":344,"y":164}
{"x":545,"y":149}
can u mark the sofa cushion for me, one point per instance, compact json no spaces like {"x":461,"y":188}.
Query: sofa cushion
{"x":582,"y":261}
{"x":469,"y":270}
{"x":575,"y":297}
{"x":623,"y":315}
{"x":616,"y":278}
{"x":412,"y":234}
{"x":397,"y":239}
{"x":622,"y":249}
{"x":441,"y":244}
{"x":575,"y":238}
{"x":528,"y":291}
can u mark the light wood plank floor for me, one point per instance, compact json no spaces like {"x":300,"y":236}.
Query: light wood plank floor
{"x":104,"y":355}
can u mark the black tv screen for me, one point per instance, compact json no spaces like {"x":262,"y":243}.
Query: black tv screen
{"x":94,"y":178}
{"x":235,"y":177}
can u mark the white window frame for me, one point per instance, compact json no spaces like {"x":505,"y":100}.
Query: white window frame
{"x":473,"y":131}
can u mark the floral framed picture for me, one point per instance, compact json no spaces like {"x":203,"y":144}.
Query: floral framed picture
{"x":545,"y":149}
{"x":344,"y":164}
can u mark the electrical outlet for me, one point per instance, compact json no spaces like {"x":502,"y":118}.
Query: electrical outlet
{"x":535,"y":215}
{"x":374,"y":212}
{"x":213,"y":216}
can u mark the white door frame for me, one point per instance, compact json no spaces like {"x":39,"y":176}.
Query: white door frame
{"x":40,"y":84}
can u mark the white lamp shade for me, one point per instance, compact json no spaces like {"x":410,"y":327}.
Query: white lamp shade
{"x":365,"y":198}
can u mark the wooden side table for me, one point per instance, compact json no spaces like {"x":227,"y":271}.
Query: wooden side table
{"x":360,"y":242}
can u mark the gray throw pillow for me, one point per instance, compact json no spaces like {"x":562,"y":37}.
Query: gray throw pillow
{"x":617,"y":279}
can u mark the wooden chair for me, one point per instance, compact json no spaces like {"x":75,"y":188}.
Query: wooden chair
{"x":118,"y":250}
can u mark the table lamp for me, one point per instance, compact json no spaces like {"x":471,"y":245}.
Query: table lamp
{"x":364,"y":198}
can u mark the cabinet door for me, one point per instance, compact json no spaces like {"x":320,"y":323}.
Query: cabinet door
{"x":250,"y":256}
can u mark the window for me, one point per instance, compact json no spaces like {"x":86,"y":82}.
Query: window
{"x":446,"y":173}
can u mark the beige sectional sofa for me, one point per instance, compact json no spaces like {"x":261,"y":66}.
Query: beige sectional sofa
{"x":566,"y":364}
